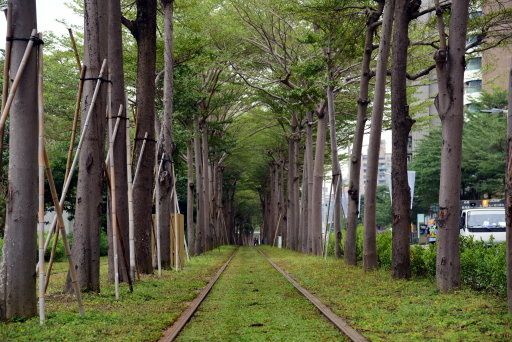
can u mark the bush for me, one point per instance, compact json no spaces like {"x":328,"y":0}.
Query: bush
{"x":103,"y":243}
{"x":1,"y":246}
{"x":60,"y":253}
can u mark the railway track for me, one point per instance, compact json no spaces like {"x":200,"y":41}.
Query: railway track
{"x":173,"y":332}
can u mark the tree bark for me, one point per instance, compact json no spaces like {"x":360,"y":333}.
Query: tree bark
{"x":85,"y":251}
{"x":190,"y":199}
{"x":116,"y":71}
{"x":208,"y":235}
{"x":450,"y":65}
{"x":303,"y":233}
{"x":293,"y":201}
{"x":350,"y":254}
{"x":318,"y":177}
{"x":145,"y":34}
{"x":17,"y":277}
{"x":401,"y":125}
{"x":164,"y":181}
{"x":369,"y":242}
{"x":336,"y":171}
{"x":509,"y":192}
{"x":199,"y":246}
{"x":309,"y":166}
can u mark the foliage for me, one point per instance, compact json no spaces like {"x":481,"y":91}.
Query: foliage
{"x":141,"y":316}
{"x":385,"y":309}
{"x":483,"y":156}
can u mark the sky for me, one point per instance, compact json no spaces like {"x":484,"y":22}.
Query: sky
{"x":48,"y":12}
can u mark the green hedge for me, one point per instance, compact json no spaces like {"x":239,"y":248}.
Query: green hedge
{"x":483,"y":265}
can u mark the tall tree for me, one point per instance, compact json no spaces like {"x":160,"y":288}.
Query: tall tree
{"x":450,"y":66}
{"x":350,"y":254}
{"x":86,"y":232}
{"x":143,"y":28}
{"x":116,"y":71}
{"x":17,"y":278}
{"x":509,"y":192}
{"x":401,"y":126}
{"x":369,"y":242}
{"x":164,"y":181}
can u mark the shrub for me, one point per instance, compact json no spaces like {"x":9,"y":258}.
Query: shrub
{"x":103,"y":243}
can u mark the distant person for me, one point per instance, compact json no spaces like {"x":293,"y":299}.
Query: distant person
{"x":255,"y":242}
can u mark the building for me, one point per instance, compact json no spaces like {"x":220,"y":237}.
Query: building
{"x":383,"y":171}
{"x":484,"y":71}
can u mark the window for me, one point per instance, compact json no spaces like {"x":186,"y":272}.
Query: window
{"x":409,"y":157}
{"x":474,"y":86}
{"x":475,"y":14}
{"x":409,"y":142}
{"x":472,"y":107}
{"x":474,"y":63}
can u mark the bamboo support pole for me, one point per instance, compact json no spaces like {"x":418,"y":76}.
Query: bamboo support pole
{"x":67,"y":183}
{"x":131,"y":233}
{"x":75,"y":121}
{"x":67,"y":249}
{"x":75,"y":50}
{"x":125,"y":258}
{"x":157,"y":234}
{"x":114,"y":136}
{"x":15,"y":84}
{"x":176,"y":211}
{"x":52,"y":257}
{"x":40,"y":154}
{"x":140,"y":159}
{"x":113,"y":202}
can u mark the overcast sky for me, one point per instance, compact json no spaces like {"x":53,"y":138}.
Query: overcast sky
{"x":48,"y":12}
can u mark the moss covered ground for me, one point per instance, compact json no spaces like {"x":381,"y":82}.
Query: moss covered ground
{"x":384,"y":309}
{"x":251,"y":301}
{"x":139,"y":316}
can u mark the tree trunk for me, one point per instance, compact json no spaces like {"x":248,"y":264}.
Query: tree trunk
{"x":17,"y":277}
{"x":369,"y":242}
{"x":309,"y":165}
{"x":142,"y":197}
{"x":401,"y":125}
{"x":336,"y":171}
{"x":199,"y":243}
{"x":208,"y":234}
{"x":318,"y":178}
{"x":164,"y":182}
{"x":350,"y":254}
{"x":190,"y":200}
{"x":293,"y":205}
{"x":115,"y":57}
{"x":85,"y":252}
{"x":303,"y":233}
{"x":509,"y":193}
{"x":450,"y":66}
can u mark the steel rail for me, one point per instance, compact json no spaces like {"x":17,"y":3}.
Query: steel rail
{"x":336,"y":320}
{"x":178,"y":325}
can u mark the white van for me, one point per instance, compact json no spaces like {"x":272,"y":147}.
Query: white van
{"x":483,"y":219}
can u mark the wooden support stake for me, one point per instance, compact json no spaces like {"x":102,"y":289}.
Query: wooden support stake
{"x":67,"y":249}
{"x":113,"y":202}
{"x":140,"y":159}
{"x":157,"y":236}
{"x":131,"y":232}
{"x":327,"y":231}
{"x":76,"y":116}
{"x":40,"y":154}
{"x":125,"y":259}
{"x":75,"y":50}
{"x":67,"y":183}
{"x":52,"y":258}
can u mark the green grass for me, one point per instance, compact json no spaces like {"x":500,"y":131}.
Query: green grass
{"x":139,"y":316}
{"x":253,"y":302}
{"x":384,"y":309}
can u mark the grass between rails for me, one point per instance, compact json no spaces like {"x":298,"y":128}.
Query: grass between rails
{"x":384,"y":309}
{"x":139,"y":316}
{"x":251,"y":301}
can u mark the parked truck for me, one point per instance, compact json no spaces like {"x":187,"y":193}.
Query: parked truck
{"x":483,"y":219}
